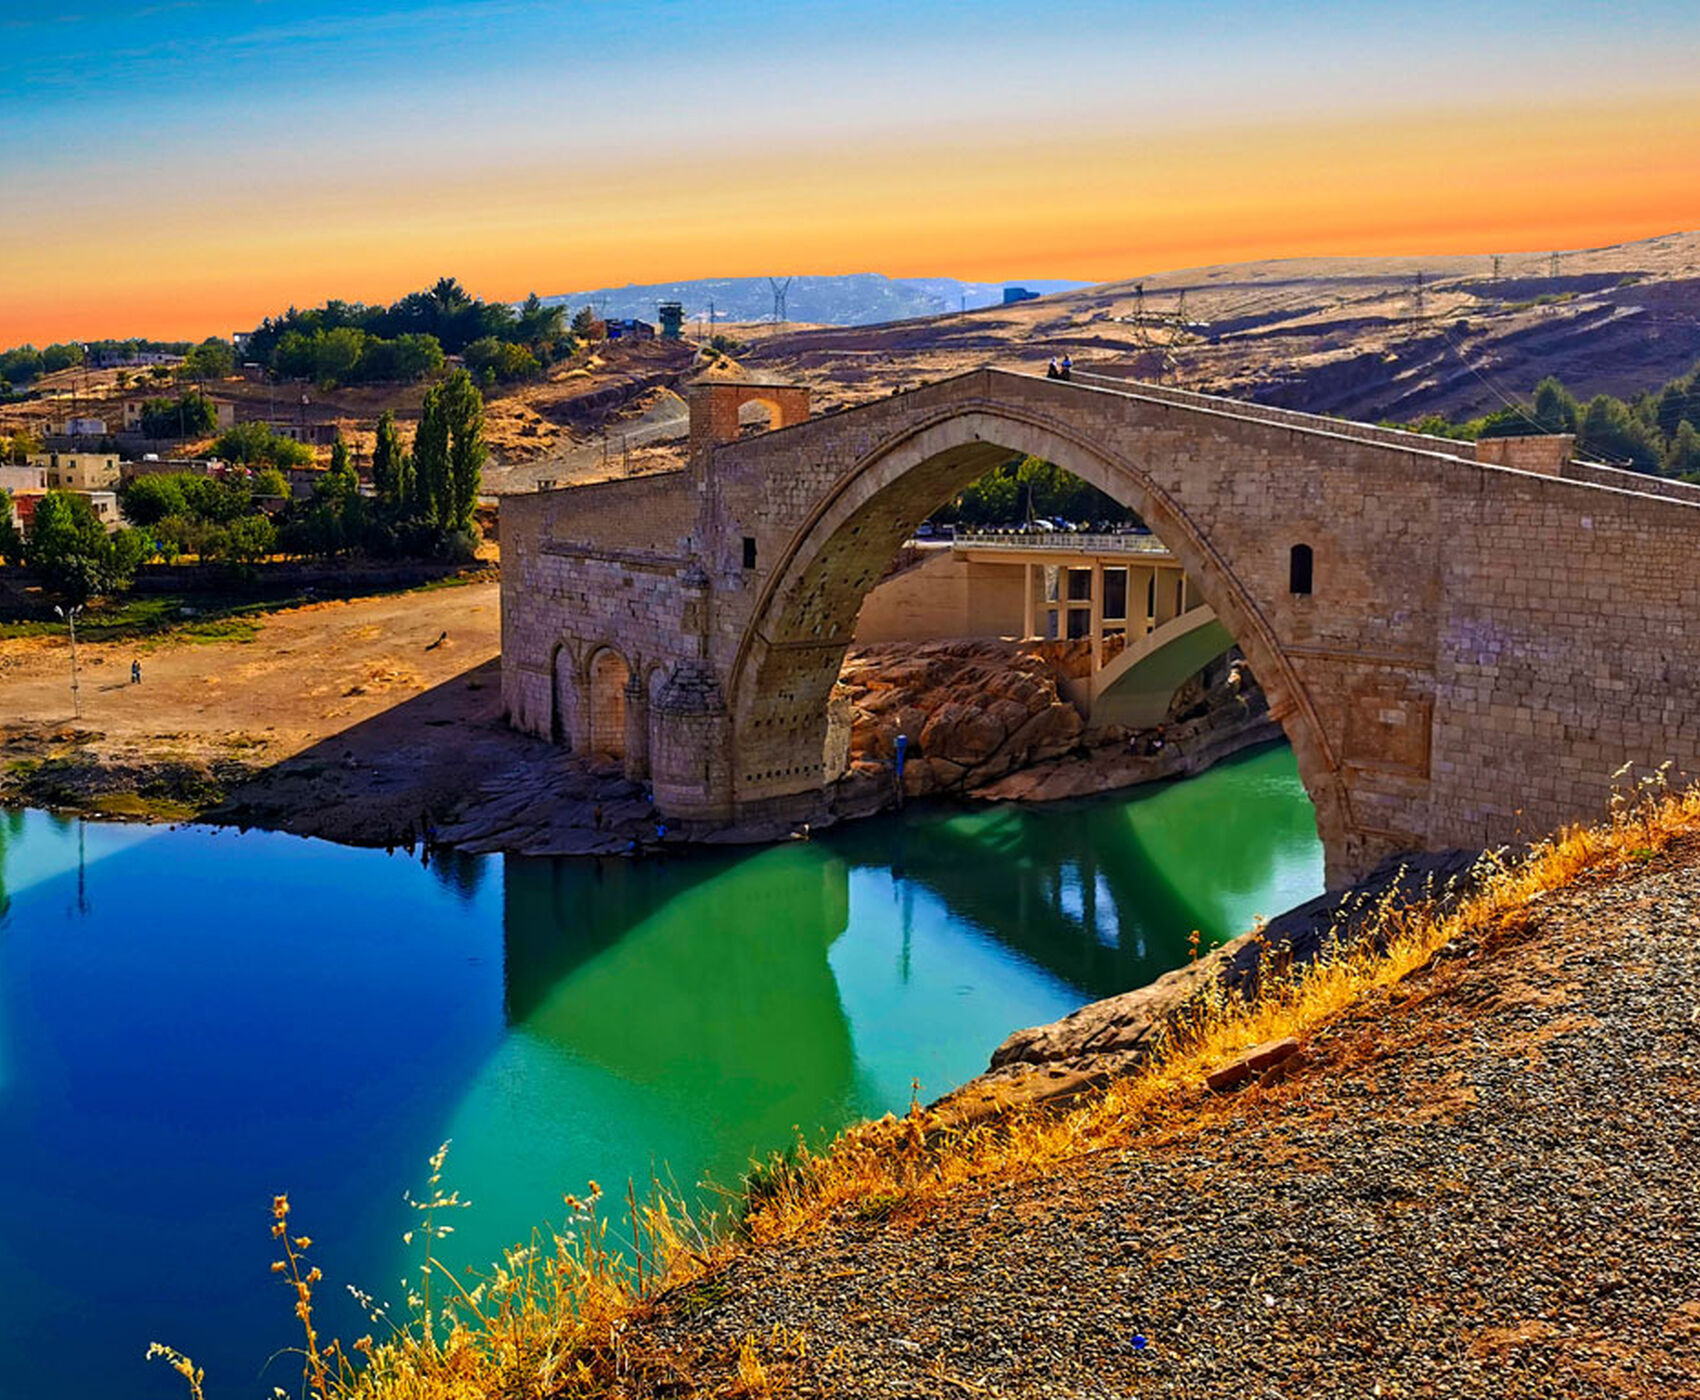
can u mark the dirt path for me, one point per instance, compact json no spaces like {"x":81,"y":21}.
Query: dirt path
{"x":1483,"y":1185}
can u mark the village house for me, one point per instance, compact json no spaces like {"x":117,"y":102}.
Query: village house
{"x":16,"y":479}
{"x":77,"y":471}
{"x":224,"y":413}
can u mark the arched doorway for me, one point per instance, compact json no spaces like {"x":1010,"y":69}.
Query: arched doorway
{"x":609,"y":676}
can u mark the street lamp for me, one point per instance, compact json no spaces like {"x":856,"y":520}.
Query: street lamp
{"x":70,"y":616}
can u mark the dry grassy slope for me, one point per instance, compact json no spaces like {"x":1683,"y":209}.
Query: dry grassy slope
{"x":1334,"y":335}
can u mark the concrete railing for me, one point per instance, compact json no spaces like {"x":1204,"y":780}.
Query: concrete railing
{"x":1061,"y":541}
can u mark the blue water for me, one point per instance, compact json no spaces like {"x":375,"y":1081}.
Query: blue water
{"x":193,"y":1020}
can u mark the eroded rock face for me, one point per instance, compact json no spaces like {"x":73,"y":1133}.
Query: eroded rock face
{"x":973,"y":711}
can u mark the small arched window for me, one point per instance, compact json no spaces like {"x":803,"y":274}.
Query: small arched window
{"x":1299,"y":569}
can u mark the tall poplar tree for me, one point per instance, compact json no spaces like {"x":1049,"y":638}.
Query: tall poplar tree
{"x":464,"y":408}
{"x":386,"y":461}
{"x":431,"y":492}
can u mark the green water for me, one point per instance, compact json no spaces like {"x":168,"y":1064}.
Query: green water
{"x":192,"y":1020}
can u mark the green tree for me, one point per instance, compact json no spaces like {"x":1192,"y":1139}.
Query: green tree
{"x":147,"y":500}
{"x":416,"y":356}
{"x":211,"y":359}
{"x":337,"y":353}
{"x":71,"y":550}
{"x":249,"y":444}
{"x":1682,"y":456}
{"x":464,"y":408}
{"x":186,"y":416}
{"x":11,"y":539}
{"x":270,"y":482}
{"x":341,"y":482}
{"x":249,"y":540}
{"x":1609,"y":430}
{"x":386,"y":461}
{"x":58,"y":357}
{"x":431,"y":491}
{"x":584,"y":323}
{"x":1556,"y":409}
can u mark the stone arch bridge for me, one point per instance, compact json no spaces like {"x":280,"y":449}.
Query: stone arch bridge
{"x":1463,"y":642}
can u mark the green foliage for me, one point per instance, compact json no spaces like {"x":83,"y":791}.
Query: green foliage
{"x":71,"y":550}
{"x":19,"y":446}
{"x":351,"y":343}
{"x":503,"y":361}
{"x":584,"y":323}
{"x":467,"y":452}
{"x":249,"y":444}
{"x":1027,"y":488}
{"x":11,"y":539}
{"x":430,"y":501}
{"x":248,"y":540}
{"x":147,"y":500}
{"x":269,"y":481}
{"x":387,"y":470}
{"x":211,"y":359}
{"x":341,"y":482}
{"x":1645,"y":434}
{"x":186,"y":416}
{"x":1682,"y":453}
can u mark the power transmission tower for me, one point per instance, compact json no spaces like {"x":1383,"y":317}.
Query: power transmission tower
{"x":1419,"y":293}
{"x":1496,"y":261}
{"x":1553,"y":267}
{"x":1139,"y":312}
{"x":779,"y":289}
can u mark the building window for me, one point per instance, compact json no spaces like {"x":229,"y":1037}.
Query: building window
{"x":749,"y":551}
{"x":1299,"y":569}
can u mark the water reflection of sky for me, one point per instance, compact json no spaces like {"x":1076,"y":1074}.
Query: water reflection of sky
{"x":192,"y":1020}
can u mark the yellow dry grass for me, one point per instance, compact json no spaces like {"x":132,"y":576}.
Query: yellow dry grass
{"x":564,"y":1315}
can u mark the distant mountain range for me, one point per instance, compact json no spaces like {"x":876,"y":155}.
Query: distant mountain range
{"x":857,"y":299}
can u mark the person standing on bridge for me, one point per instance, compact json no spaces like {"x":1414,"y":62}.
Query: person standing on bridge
{"x":1051,"y":370}
{"x":1067,"y":370}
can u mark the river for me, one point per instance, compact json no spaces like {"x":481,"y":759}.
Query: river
{"x":192,"y":1020}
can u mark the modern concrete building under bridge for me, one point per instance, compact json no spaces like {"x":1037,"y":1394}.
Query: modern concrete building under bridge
{"x":1147,"y":625}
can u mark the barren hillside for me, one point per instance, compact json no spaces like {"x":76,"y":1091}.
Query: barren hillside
{"x":1359,"y":337}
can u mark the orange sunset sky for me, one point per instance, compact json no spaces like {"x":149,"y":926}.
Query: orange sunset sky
{"x":188,"y":173}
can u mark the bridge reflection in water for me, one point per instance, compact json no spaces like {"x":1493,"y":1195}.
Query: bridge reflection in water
{"x":807,"y":983}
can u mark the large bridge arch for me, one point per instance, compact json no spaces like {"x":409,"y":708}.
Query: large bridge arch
{"x":1466,"y":647}
{"x":802,"y":620}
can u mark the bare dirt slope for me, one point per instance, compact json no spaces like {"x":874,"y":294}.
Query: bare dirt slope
{"x":1347,"y":336}
{"x":345,"y":719}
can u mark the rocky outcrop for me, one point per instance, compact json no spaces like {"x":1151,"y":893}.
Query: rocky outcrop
{"x":988,"y":719}
{"x":971,"y":711}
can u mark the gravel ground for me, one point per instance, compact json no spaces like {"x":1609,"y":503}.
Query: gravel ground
{"x":1485,"y":1186}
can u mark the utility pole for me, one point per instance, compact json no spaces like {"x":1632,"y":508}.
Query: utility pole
{"x":1552,"y":269}
{"x":1496,"y":261}
{"x":70,"y":617}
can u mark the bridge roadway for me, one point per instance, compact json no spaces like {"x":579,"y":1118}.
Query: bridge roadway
{"x":1462,"y":641}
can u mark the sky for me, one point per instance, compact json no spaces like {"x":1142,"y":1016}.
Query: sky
{"x":177,"y":168}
